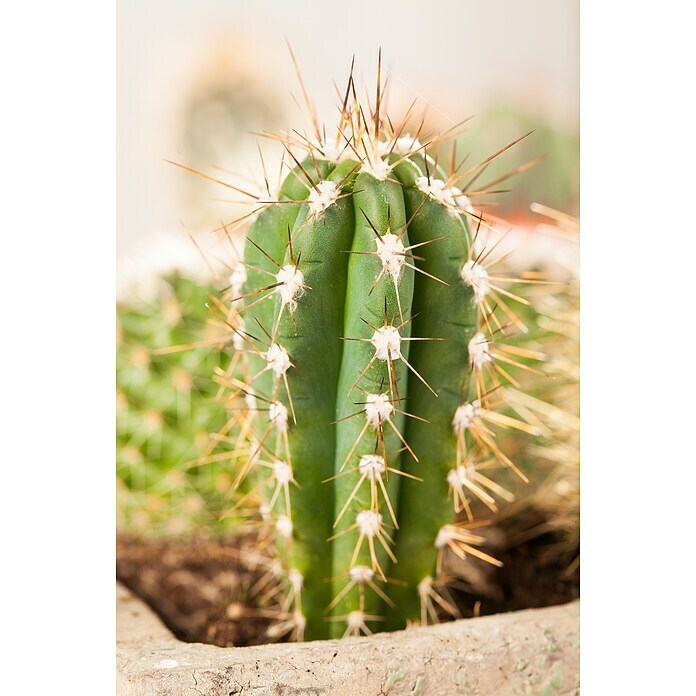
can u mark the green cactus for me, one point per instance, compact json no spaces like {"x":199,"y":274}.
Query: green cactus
{"x":166,"y":410}
{"x":372,"y":328}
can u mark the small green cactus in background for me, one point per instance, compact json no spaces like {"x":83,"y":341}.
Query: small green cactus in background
{"x":373,"y":326}
{"x":166,"y":410}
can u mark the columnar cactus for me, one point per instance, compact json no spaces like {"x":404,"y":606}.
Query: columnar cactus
{"x":372,"y":324}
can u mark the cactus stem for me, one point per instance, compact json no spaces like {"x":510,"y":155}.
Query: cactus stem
{"x":364,"y":508}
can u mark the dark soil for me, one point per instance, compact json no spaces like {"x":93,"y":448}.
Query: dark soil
{"x":202,"y":589}
{"x":539,"y":570}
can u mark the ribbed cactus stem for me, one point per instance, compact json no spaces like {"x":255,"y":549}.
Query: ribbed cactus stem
{"x":371,"y":388}
{"x":374,"y":362}
{"x":447,"y":312}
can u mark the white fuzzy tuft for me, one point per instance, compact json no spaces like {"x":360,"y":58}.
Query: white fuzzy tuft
{"x":462,"y":200}
{"x":465,"y":202}
{"x":278,"y":359}
{"x":405,"y":145}
{"x":479,"y":351}
{"x":355,"y":619}
{"x":361,"y":574}
{"x":265,"y":512}
{"x":282,"y":472}
{"x":436,"y":188}
{"x":292,"y":287}
{"x":465,"y":416}
{"x":453,"y":477}
{"x":283,"y":527}
{"x":368,"y":522}
{"x":321,"y":196}
{"x":383,"y":147}
{"x":444,"y":536}
{"x":295,"y":579}
{"x":278,"y":414}
{"x":458,"y":476}
{"x":237,"y":278}
{"x":424,"y":586}
{"x":237,"y":341}
{"x":380,"y":169}
{"x":387,"y":343}
{"x":250,"y":402}
{"x":378,"y":409}
{"x":391,"y":252}
{"x":476,"y":276}
{"x":372,"y":465}
{"x":300,"y":621}
{"x":335,"y":153}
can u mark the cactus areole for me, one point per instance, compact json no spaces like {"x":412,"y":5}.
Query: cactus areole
{"x":370,"y":329}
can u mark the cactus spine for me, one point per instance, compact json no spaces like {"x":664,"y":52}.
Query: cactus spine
{"x":370,"y":320}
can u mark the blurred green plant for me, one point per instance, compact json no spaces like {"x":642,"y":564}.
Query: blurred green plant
{"x":166,"y":410}
{"x":555,"y":180}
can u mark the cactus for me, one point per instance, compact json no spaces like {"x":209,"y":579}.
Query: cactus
{"x":166,"y":410}
{"x":373,"y":327}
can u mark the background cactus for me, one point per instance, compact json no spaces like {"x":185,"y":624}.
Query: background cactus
{"x":373,"y":328}
{"x":166,"y":409}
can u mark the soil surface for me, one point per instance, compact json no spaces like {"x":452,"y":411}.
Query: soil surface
{"x":202,"y":589}
{"x":210,"y":591}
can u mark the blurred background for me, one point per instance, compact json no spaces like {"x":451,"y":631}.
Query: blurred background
{"x":195,"y":78}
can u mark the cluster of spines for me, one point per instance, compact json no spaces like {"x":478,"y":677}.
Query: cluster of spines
{"x":372,"y":146}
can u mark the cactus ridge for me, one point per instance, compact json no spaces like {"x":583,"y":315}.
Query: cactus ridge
{"x":370,"y":324}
